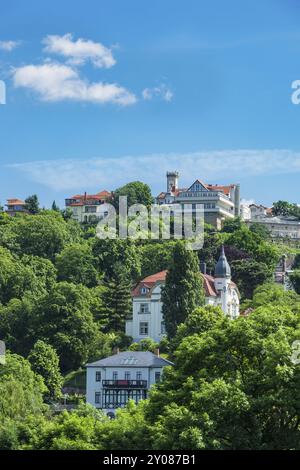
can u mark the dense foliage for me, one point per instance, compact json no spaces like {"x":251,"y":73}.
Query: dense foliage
{"x":64,"y":298}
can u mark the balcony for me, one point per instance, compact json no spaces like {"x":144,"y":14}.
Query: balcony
{"x":124,"y":383}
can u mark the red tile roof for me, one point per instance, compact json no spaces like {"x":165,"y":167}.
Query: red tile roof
{"x":101,"y":195}
{"x":209,"y":286}
{"x":12,"y":202}
{"x":150,"y":281}
{"x":222,"y":189}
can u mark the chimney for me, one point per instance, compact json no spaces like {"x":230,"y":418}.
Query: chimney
{"x":116,"y":351}
{"x":203,"y":267}
{"x":156,"y":352}
{"x":85,"y":196}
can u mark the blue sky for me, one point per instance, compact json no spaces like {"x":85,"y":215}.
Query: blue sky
{"x":101,"y":93}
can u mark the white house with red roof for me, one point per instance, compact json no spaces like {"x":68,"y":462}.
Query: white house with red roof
{"x":219,"y":202}
{"x":89,"y":207}
{"x":147,"y":318}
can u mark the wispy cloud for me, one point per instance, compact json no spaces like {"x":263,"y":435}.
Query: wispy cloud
{"x":247,"y":202}
{"x":58,"y":82}
{"x":79,"y":51}
{"x":161,"y":91}
{"x":211,"y":166}
{"x":8,"y":46}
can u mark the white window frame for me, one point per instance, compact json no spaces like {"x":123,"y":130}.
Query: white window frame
{"x":143,"y":326}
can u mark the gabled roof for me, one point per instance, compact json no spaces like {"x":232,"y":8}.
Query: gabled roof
{"x":198,"y":182}
{"x":131,"y":359}
{"x":214,"y":187}
{"x":151,"y":281}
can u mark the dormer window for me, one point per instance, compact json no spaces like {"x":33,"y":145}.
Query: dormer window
{"x":144,"y":290}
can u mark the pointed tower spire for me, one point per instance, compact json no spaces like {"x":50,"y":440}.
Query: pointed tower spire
{"x":222,"y":268}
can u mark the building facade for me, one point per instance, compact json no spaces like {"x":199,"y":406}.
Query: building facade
{"x":89,"y":207}
{"x":147,"y":318}
{"x":219,"y":202}
{"x":279,"y":226}
{"x":258,"y":210}
{"x":113,"y":381}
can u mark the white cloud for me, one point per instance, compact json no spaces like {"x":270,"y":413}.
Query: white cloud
{"x":8,"y":46}
{"x":161,"y":91}
{"x":212,"y":166}
{"x":79,"y":51}
{"x":58,"y":82}
{"x":247,"y":202}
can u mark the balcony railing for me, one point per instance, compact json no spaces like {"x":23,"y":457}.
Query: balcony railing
{"x":124,"y":383}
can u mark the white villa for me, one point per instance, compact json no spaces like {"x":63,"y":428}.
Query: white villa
{"x":112,"y":381}
{"x":220,"y":202}
{"x":147,"y":319}
{"x":89,"y":207}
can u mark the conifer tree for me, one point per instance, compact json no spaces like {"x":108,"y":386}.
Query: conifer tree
{"x":117,"y":299}
{"x":32,"y":204}
{"x":183,"y":291}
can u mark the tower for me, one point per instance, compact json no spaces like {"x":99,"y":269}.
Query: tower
{"x":222,"y":280}
{"x":172,"y":181}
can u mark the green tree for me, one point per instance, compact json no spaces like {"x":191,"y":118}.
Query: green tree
{"x":41,"y":235}
{"x":45,"y":362}
{"x":75,"y":264}
{"x":54,"y":207}
{"x":296,"y":263}
{"x":136,"y":192}
{"x":30,"y":274}
{"x":231,"y":225}
{"x":294,"y":279}
{"x":254,"y":246}
{"x":234,"y":385}
{"x":21,"y":389}
{"x":261,"y":230}
{"x":183,"y":290}
{"x":75,"y":430}
{"x":156,"y":256}
{"x":63,"y":318}
{"x":248,"y":274}
{"x":110,"y":253}
{"x":117,"y":299}
{"x":43,"y":271}
{"x":16,"y":325}
{"x":286,"y":209}
{"x":32,"y":204}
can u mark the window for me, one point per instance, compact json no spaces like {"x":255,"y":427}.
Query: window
{"x":144,"y":290}
{"x":144,"y":308}
{"x":98,"y":376}
{"x":157,"y":377}
{"x":138,"y":376}
{"x":119,"y":398}
{"x":144,"y":328}
{"x":97,"y":397}
{"x":115,"y":375}
{"x":127,"y":375}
